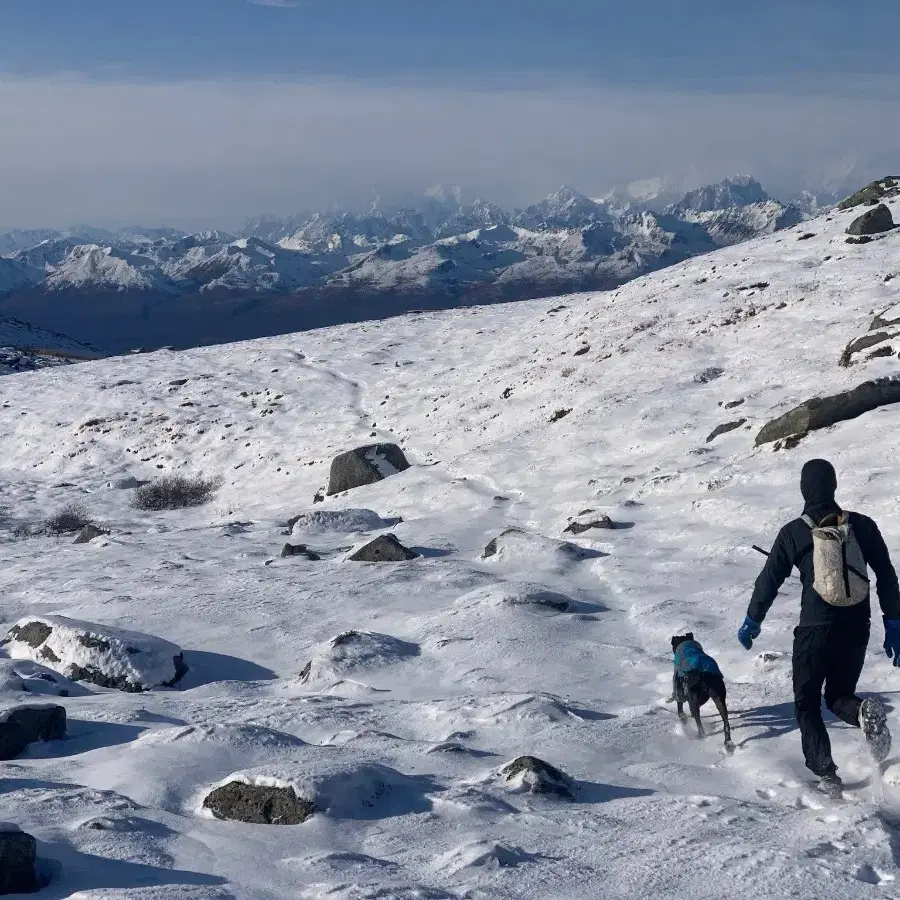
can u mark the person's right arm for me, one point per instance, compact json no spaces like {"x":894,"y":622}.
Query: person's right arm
{"x":774,"y":574}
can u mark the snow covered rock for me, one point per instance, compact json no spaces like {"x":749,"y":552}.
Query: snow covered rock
{"x":100,"y":654}
{"x":289,"y":550}
{"x":385,"y":548}
{"x":483,"y":854}
{"x":323,"y":781}
{"x":365,"y":465}
{"x":873,"y":193}
{"x":355,"y":651}
{"x":587,"y":521}
{"x":88,"y":533}
{"x":27,"y":724}
{"x":873,"y":221}
{"x":10,"y":680}
{"x":531,"y":775}
{"x":820,"y":412}
{"x":338,"y":521}
{"x":18,"y":852}
{"x":517,"y":596}
{"x":516,"y":545}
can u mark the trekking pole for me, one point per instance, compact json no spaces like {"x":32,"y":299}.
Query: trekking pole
{"x":766,"y":553}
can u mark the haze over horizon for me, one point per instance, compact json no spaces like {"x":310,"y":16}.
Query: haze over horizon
{"x":202,"y":113}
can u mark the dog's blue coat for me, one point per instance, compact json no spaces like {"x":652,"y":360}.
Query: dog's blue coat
{"x":689,"y":657}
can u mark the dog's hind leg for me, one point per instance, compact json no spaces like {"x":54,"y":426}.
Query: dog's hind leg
{"x":694,"y":705}
{"x":723,"y":712}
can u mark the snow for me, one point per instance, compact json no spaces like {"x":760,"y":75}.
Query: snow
{"x":469,"y":395}
{"x":138,"y":659}
{"x":341,"y":521}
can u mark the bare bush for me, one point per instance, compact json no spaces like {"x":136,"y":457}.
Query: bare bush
{"x":67,"y":520}
{"x":175,"y":492}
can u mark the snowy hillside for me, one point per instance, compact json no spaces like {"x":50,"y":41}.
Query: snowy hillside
{"x":381,"y":703}
{"x":24,"y":346}
{"x":155,"y":287}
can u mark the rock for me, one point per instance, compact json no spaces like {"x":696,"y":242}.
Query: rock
{"x":365,"y":465}
{"x":316,"y":780}
{"x":522,"y":596}
{"x":126,"y":484}
{"x":733,"y":404}
{"x":385,"y":548}
{"x":579,"y":527}
{"x":258,"y":805}
{"x":873,"y":193}
{"x":886,"y":318}
{"x":88,"y":533}
{"x":724,"y":429}
{"x":27,"y":724}
{"x":559,"y":414}
{"x":338,"y":521}
{"x":516,"y":545}
{"x":352,"y":652}
{"x":864,"y":343}
{"x":708,"y":375}
{"x":873,"y":221}
{"x":299,"y":550}
{"x":531,"y":775}
{"x":18,"y":852}
{"x":821,"y":412}
{"x":100,"y":654}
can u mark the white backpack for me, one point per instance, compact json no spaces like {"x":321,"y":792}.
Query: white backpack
{"x":839,"y":569}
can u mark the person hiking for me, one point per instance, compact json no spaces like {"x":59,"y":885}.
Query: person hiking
{"x":833,"y":551}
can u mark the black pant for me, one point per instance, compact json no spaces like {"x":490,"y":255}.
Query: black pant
{"x":831,"y":656}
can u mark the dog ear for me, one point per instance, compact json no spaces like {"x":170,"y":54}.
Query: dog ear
{"x":690,"y":635}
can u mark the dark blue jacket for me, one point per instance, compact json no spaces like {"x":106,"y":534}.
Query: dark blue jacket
{"x":689,"y":657}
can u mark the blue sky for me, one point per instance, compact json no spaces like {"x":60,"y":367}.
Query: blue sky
{"x":207,"y":111}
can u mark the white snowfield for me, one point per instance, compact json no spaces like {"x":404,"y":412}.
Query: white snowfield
{"x":565,"y":657}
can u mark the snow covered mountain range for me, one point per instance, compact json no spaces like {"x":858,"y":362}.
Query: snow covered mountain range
{"x":155,"y":287}
{"x":395,"y":696}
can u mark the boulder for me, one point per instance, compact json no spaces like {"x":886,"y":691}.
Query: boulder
{"x":873,"y":221}
{"x":708,"y":375}
{"x":873,"y":193}
{"x":100,"y":654}
{"x":519,"y":546}
{"x":258,"y":804}
{"x":385,"y":548}
{"x":365,"y":465}
{"x":322,"y":780}
{"x":299,"y":550}
{"x":724,"y":429}
{"x":27,"y":724}
{"x":88,"y":533}
{"x":821,"y":412}
{"x":531,"y":775}
{"x":338,"y":521}
{"x":18,"y":852}
{"x":864,"y":342}
{"x":353,"y":652}
{"x":588,"y":521}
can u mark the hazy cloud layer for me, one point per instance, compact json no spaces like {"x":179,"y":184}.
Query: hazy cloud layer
{"x":210,"y":154}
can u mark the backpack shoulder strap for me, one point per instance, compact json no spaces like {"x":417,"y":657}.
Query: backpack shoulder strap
{"x":809,"y":521}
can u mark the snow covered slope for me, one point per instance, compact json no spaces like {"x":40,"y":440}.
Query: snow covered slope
{"x":24,"y":346}
{"x":519,"y":417}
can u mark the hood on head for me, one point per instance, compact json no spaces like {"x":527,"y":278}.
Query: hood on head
{"x":818,"y":482}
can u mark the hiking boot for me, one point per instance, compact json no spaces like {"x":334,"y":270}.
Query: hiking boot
{"x":873,"y":721}
{"x":832,"y":786}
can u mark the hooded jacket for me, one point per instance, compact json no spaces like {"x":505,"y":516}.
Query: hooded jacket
{"x":793,"y":547}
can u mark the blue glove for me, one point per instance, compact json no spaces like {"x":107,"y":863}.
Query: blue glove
{"x":892,"y":639}
{"x":750,"y":631}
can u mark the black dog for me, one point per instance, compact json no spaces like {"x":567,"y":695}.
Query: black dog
{"x":697,"y":679}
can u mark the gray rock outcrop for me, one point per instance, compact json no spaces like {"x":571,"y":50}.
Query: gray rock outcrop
{"x":365,"y":465}
{"x":18,"y":852}
{"x":258,"y":805}
{"x":385,"y":548}
{"x":873,"y":221}
{"x":28,"y":724}
{"x":821,"y":412}
{"x":534,"y":776}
